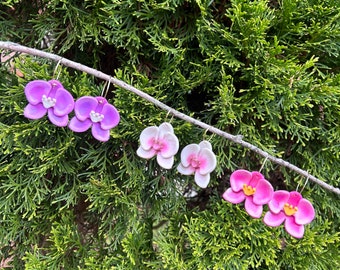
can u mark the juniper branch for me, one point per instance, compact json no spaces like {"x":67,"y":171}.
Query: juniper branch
{"x":234,"y":138}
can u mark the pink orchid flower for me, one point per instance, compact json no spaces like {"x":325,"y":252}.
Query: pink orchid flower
{"x":291,"y":208}
{"x":48,"y":97}
{"x":251,"y":187}
{"x":200,"y":160}
{"x":161,"y":142}
{"x":97,"y":113}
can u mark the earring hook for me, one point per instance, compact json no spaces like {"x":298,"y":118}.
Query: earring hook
{"x":205,"y":134}
{"x":167,"y":115}
{"x":264,"y":162}
{"x":305,"y":183}
{"x":55,"y":69}
{"x":106,"y":87}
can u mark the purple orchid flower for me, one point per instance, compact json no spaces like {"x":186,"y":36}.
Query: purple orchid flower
{"x":292,"y":209}
{"x":200,"y":160}
{"x":48,"y":97}
{"x":97,"y":113}
{"x":251,"y":187}
{"x":161,"y":142}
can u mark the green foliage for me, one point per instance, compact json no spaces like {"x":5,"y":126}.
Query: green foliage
{"x":266,"y":70}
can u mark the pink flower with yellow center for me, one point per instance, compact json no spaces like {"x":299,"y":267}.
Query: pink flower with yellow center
{"x":198,"y":159}
{"x":250,"y":187}
{"x":292,"y":209}
{"x":161,"y":142}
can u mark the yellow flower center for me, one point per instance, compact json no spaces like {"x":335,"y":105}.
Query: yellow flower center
{"x":289,"y":209}
{"x":248,"y":190}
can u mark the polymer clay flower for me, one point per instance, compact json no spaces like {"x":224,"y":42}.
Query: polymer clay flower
{"x":292,"y":209}
{"x":251,"y":187}
{"x":48,"y":97}
{"x":95,"y":113}
{"x":200,"y":160}
{"x":161,"y":142}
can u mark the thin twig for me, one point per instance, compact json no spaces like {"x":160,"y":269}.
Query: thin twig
{"x":236,"y":139}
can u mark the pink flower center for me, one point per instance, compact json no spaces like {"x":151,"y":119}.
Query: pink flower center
{"x":289,"y":209}
{"x":157,"y":145}
{"x":195,"y":163}
{"x":248,"y":190}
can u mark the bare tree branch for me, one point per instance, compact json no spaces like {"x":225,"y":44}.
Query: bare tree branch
{"x":236,"y":139}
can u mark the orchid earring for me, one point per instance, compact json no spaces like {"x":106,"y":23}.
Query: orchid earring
{"x":291,"y":209}
{"x":199,"y":160}
{"x":250,"y":187}
{"x":95,"y":113}
{"x":48,"y":97}
{"x":160,"y":142}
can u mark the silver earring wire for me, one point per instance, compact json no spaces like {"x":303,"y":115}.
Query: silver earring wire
{"x":167,"y":115}
{"x":297,"y":187}
{"x":264,"y":162}
{"x":106,"y":87}
{"x":56,"y":68}
{"x":305,"y":183}
{"x":205,"y":135}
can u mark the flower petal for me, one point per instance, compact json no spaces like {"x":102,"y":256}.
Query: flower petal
{"x":185,"y":170}
{"x":205,"y":144}
{"x":256,"y":177}
{"x":34,"y":111}
{"x":207,"y":161}
{"x":60,"y":121}
{"x":147,"y":154}
{"x":166,"y":163}
{"x":170,"y":145}
{"x":64,"y":102}
{"x":274,"y":220}
{"x":294,"y":229}
{"x":276,"y":204}
{"x":264,"y":192}
{"x":84,"y":106}
{"x":294,"y":198}
{"x":202,"y":180}
{"x":79,"y":126}
{"x":147,"y":137}
{"x":35,"y":90}
{"x":187,"y":152}
{"x":165,"y":128}
{"x":111,"y":117}
{"x":238,"y":178}
{"x":253,"y":209}
{"x":55,"y":84}
{"x":305,"y":213}
{"x":233,"y":197}
{"x":99,"y":133}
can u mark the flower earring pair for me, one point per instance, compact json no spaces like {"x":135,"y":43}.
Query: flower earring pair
{"x":288,"y":207}
{"x":51,"y":98}
{"x":196,"y":159}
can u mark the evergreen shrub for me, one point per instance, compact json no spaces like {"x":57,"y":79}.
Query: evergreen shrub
{"x":266,"y":70}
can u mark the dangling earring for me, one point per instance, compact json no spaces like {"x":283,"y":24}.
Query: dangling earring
{"x":95,"y":113}
{"x":292,"y":209}
{"x":200,"y":160}
{"x":160,"y":142}
{"x":48,"y":97}
{"x":251,"y":187}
